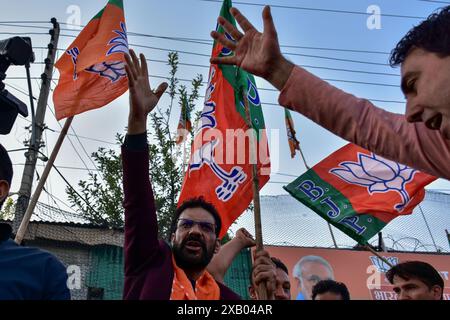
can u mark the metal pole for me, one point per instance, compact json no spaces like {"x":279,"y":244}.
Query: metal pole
{"x":329,"y":224}
{"x":26,"y":219}
{"x":448,"y":236}
{"x":428,"y":227}
{"x":38,"y":126}
{"x":33,"y":114}
{"x":376,"y":253}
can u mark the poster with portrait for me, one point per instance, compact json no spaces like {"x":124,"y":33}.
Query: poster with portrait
{"x":361,"y":271}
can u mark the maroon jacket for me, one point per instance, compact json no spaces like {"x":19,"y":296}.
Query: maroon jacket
{"x":148,"y":261}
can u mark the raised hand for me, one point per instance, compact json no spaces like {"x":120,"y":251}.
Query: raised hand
{"x":258,"y":53}
{"x":264,"y":271}
{"x":142,"y":98}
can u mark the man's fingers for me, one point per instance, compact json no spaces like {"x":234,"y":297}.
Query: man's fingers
{"x":269,"y":26}
{"x":230,"y":29}
{"x":262,"y":255}
{"x":161,"y":89}
{"x":136,"y":63}
{"x":131,"y":66}
{"x":263,"y":268}
{"x":264,"y":276}
{"x":224,"y":60}
{"x":130,"y":75}
{"x":220,"y":37}
{"x":144,"y":66}
{"x":242,"y":20}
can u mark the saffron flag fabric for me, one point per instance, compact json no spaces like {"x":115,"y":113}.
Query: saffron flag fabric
{"x":359,"y":192}
{"x":92,"y":69}
{"x":220,"y":168}
{"x":294,"y":144}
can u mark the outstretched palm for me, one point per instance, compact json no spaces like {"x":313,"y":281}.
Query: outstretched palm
{"x":142,"y":98}
{"x":257,"y":53}
{"x":254,"y":52}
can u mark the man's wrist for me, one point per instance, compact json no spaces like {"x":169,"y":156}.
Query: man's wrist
{"x":241,"y":243}
{"x":281,"y":72}
{"x":137,"y":125}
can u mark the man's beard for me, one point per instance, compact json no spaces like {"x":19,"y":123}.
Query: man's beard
{"x":186,"y":261}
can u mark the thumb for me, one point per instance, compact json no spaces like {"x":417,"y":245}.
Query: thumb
{"x":161,"y":89}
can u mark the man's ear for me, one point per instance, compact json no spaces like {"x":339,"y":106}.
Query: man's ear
{"x":252,"y":292}
{"x":437,"y":292}
{"x":298,"y":282}
{"x":172,"y":238}
{"x":4,"y":190}
{"x":217,"y":246}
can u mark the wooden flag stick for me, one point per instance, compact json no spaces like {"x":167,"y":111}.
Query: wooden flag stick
{"x":376,"y":253}
{"x":304,"y":159}
{"x":448,"y":236}
{"x":332,"y":236}
{"x":262,"y":290}
{"x":184,"y":158}
{"x":26,"y":219}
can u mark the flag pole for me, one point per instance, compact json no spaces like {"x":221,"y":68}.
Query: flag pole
{"x":26,"y":219}
{"x":309,"y":168}
{"x":448,"y":236}
{"x":262,"y":290}
{"x":376,"y":253}
{"x":184,"y":157}
{"x":303,"y":158}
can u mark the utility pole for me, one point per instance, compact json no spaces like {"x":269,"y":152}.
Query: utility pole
{"x":38,"y":127}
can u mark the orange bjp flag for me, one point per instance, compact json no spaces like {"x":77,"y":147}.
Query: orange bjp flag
{"x":184,"y":124}
{"x":92,"y":70}
{"x":294,"y":144}
{"x":360,"y":192}
{"x":220,"y":168}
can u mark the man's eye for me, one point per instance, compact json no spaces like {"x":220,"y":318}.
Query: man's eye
{"x":186,"y":225}
{"x":411,"y":85}
{"x":208,"y":227}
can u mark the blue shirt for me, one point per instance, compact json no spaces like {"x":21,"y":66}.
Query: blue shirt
{"x":300,"y":296}
{"x":30,"y":273}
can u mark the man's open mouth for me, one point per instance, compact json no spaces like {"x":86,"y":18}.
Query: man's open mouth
{"x":435,"y":122}
{"x":193,"y":245}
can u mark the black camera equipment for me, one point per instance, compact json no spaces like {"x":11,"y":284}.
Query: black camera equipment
{"x":16,"y":51}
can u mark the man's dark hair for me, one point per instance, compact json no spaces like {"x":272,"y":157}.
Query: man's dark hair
{"x":416,"y":270}
{"x":324,"y":286}
{"x":278,"y":264}
{"x":6,"y":168}
{"x":197,"y":203}
{"x":432,"y":35}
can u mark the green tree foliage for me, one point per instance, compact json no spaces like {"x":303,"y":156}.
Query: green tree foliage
{"x":9,"y":207}
{"x":99,"y":198}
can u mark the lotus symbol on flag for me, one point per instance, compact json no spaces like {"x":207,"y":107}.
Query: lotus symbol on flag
{"x":114,"y":70}
{"x":120,"y":43}
{"x":231,"y":180}
{"x":378,"y":175}
{"x":382,"y":266}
